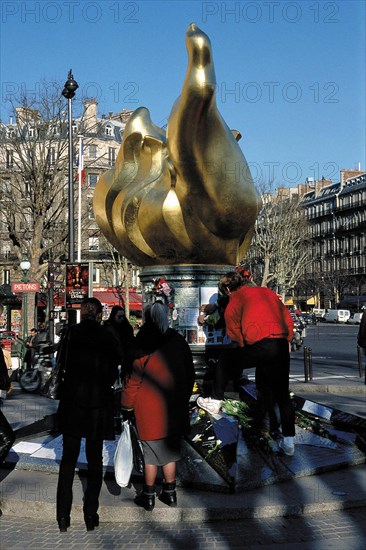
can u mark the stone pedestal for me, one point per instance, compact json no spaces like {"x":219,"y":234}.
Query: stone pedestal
{"x":191,"y":287}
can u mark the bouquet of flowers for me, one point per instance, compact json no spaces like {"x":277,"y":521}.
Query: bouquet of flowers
{"x":239,"y":410}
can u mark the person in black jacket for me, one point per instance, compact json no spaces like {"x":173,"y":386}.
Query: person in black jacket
{"x":6,"y":432}
{"x":361,"y":337}
{"x":122,"y":331}
{"x":88,"y":356}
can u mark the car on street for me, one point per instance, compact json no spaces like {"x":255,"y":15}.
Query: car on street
{"x":355,"y":319}
{"x":9,"y":339}
{"x":337,"y":315}
{"x":319,"y":313}
{"x":310,"y":318}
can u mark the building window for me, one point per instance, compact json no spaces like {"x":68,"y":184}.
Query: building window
{"x":108,"y":130}
{"x":92,"y":179}
{"x":4,"y":188}
{"x":135,"y":277}
{"x":91,"y":211}
{"x":111,"y":155}
{"x":92,"y":151}
{"x":31,"y":132}
{"x":96,"y":275}
{"x":9,"y":159}
{"x":93,"y":243}
{"x":52,"y":155}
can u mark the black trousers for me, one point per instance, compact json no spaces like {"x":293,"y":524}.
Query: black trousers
{"x":94,"y":457}
{"x":271,"y":359}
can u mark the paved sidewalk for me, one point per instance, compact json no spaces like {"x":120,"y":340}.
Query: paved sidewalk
{"x":31,"y":494}
{"x":339,"y":530}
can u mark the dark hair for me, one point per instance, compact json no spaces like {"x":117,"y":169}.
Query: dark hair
{"x":231,"y":281}
{"x":90,"y":308}
{"x":114,"y":311}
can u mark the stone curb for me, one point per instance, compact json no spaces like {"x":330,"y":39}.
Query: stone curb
{"x":162,"y":514}
{"x":313,"y":387}
{"x":32,"y":494}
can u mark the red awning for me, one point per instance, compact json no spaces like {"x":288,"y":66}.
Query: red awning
{"x":111,"y":298}
{"x":105,"y":295}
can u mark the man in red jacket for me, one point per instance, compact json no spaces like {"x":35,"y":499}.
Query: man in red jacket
{"x":261,"y":326}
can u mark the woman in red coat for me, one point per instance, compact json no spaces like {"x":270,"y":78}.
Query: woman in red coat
{"x":158,"y":392}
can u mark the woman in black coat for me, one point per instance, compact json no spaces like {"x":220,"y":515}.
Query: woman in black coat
{"x":6,"y":432}
{"x":89,"y":358}
{"x":121,"y":330}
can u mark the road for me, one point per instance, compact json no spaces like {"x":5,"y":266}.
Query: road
{"x":333,"y":344}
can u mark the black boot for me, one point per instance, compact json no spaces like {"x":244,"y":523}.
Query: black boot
{"x":147,"y":498}
{"x":168,"y":494}
{"x":91,"y":521}
{"x":63,"y":523}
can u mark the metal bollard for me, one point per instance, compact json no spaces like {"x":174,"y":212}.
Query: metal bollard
{"x":359,"y":357}
{"x":306,"y":372}
{"x":310,"y":363}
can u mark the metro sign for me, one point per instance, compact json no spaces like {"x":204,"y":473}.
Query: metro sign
{"x":24,"y":287}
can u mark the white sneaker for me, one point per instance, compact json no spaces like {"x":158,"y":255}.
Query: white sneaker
{"x":287,"y":445}
{"x":212,"y":406}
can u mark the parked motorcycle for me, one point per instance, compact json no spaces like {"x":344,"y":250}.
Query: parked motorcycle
{"x":33,"y":379}
{"x":299,"y":333}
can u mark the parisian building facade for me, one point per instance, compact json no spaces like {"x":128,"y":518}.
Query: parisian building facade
{"x":101,"y":137}
{"x":336,"y":213}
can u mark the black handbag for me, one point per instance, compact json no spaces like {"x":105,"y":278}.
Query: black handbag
{"x":137,"y":452}
{"x":5,"y":382}
{"x":53,"y":386}
{"x":7,"y":437}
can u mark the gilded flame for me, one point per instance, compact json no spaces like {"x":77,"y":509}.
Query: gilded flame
{"x":185,"y":196}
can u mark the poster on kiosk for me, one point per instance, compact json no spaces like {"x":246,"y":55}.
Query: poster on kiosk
{"x":77,"y":284}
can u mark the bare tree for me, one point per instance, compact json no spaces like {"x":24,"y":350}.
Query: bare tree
{"x":280,"y":244}
{"x":34,"y":154}
{"x":33,"y":157}
{"x":117,"y":275}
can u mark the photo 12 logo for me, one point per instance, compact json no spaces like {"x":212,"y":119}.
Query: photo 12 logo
{"x":69,"y":11}
{"x":126,"y":93}
{"x":270,"y":12}
{"x":292,"y":173}
{"x":272,"y":92}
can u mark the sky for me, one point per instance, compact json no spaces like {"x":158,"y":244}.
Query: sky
{"x":290,"y":74}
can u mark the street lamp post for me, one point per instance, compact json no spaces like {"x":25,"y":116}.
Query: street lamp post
{"x":69,"y":91}
{"x":25,"y":266}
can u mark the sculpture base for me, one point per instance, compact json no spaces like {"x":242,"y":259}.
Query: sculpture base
{"x":191,"y":287}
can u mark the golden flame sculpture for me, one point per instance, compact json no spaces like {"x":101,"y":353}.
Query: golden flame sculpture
{"x":185,"y":196}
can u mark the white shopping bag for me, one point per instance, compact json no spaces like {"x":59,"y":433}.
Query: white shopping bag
{"x":123,"y":459}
